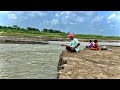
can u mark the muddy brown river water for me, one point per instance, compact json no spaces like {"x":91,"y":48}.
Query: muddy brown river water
{"x":32,"y":61}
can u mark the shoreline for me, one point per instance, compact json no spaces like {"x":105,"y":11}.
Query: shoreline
{"x":22,"y":40}
{"x":41,"y":39}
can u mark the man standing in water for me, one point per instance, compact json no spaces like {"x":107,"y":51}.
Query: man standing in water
{"x":74,"y":44}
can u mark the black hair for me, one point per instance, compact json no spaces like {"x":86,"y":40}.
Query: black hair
{"x":95,"y":41}
{"x":90,"y":41}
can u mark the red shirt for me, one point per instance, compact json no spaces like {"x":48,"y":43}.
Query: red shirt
{"x":96,"y":46}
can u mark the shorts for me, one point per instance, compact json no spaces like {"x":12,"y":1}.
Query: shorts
{"x":70,"y":49}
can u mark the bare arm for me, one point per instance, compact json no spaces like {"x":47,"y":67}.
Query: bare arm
{"x":76,"y":46}
{"x":65,"y":45}
{"x":95,"y":48}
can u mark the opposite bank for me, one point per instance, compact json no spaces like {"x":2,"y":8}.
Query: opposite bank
{"x":22,"y":40}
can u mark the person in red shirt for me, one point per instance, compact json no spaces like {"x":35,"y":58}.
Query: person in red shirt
{"x":96,"y":46}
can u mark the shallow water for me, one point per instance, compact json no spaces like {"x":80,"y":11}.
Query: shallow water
{"x":32,"y":61}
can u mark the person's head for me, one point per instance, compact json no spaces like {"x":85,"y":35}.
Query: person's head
{"x":95,"y":41}
{"x":71,"y":36}
{"x":90,"y":41}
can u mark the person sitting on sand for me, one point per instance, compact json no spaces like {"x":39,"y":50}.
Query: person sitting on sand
{"x":74,"y":44}
{"x":96,"y":46}
{"x":90,"y":44}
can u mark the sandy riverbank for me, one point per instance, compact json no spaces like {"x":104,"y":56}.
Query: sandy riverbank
{"x":88,"y":64}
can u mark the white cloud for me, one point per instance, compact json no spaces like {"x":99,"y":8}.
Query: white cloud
{"x":22,"y":19}
{"x":40,"y":13}
{"x":12,"y":16}
{"x":72,"y":23}
{"x":88,"y":13}
{"x":35,"y":13}
{"x":30,"y":13}
{"x":112,"y":16}
{"x":80,"y":19}
{"x":97,"y":19}
{"x":66,"y":16}
{"x":61,"y":13}
{"x":54,"y":21}
{"x":114,"y":22}
{"x":19,"y":12}
{"x":69,"y":17}
{"x":56,"y":14}
{"x":65,"y":12}
{"x":46,"y":24}
{"x":5,"y":12}
{"x":81,"y":11}
{"x":12,"y":12}
{"x":68,"y":12}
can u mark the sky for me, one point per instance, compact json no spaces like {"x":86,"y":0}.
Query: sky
{"x":105,"y":23}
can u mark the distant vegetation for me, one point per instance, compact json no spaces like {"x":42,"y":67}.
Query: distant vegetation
{"x":18,"y":31}
{"x":90,"y":36}
{"x":30,"y":31}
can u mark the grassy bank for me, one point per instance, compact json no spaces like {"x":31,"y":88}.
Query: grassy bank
{"x":97,"y":37}
{"x":28,"y":33}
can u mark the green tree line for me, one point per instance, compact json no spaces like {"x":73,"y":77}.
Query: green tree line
{"x":15,"y":27}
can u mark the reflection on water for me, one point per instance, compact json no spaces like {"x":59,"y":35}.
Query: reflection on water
{"x":31,"y":61}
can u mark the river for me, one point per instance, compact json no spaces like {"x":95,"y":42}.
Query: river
{"x":32,"y":61}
